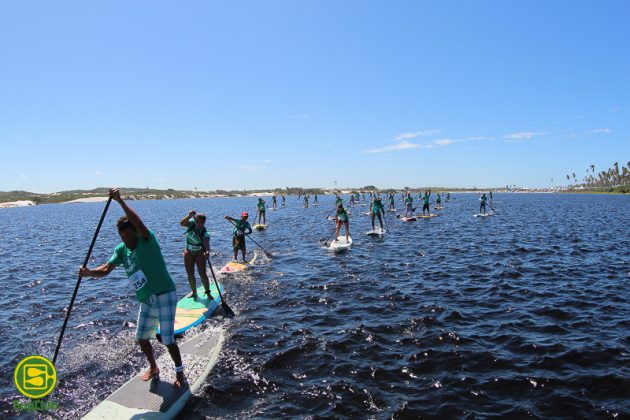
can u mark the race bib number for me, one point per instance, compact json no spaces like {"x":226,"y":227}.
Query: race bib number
{"x":138,"y":280}
{"x":194,"y":248}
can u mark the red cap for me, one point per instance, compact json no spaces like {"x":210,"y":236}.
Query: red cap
{"x":244,"y":214}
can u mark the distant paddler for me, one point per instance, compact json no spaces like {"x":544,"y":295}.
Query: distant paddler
{"x":376,"y":210}
{"x":482,"y":204}
{"x":283,"y":200}
{"x":448,"y":196}
{"x":261,"y":211}
{"x":338,"y":201}
{"x":274,"y":202}
{"x":341,"y":218}
{"x":425,"y":202}
{"x":197,"y":250}
{"x":438,"y":200}
{"x":351,"y":200}
{"x":409,"y":205}
{"x":491,"y":199}
{"x":392,"y":204}
{"x":241,"y":228}
{"x":315,"y":202}
{"x":305,"y":200}
{"x":142,"y":258}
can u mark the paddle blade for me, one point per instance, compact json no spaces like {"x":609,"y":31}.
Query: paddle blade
{"x":226,"y":310}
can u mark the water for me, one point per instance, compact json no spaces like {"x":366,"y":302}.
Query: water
{"x":525,"y":313}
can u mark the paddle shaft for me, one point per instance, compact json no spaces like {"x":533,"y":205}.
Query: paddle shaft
{"x":76,"y":287}
{"x":227,"y":311}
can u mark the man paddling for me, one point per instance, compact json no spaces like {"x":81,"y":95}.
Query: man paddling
{"x":261,"y":211}
{"x":409,"y":205}
{"x":438,"y":201}
{"x":142,"y":258}
{"x":482,"y":204}
{"x":241,"y":228}
{"x":425,"y":202}
{"x":376,"y":210}
{"x":274,"y":203}
{"x":342,"y":219}
{"x":392,"y":205}
{"x":197,"y":250}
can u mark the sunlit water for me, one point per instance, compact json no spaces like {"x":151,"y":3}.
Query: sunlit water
{"x":525,"y":313}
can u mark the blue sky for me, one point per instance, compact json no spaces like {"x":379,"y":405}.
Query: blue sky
{"x":253,"y":94}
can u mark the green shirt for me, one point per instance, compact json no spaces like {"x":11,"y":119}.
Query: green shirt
{"x":145,"y":267}
{"x":483,"y":199}
{"x":261,"y":206}
{"x":377,"y":206}
{"x":409,"y":200}
{"x":242,"y":226}
{"x":342,"y":216}
{"x":338,"y":201}
{"x":425,"y":199}
{"x":195,"y":237}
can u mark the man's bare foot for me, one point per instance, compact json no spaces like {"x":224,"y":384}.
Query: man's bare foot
{"x":150,"y":374}
{"x":180,"y":380}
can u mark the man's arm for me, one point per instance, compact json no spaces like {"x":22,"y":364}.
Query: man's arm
{"x":132,"y":216}
{"x":99,"y":272}
{"x":184,"y":221}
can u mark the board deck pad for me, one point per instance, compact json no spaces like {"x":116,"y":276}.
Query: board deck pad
{"x":340,"y":244}
{"x":376,"y":231}
{"x":159,"y":399}
{"x":191,"y":312}
{"x":260,"y":226}
{"x":235,"y":267}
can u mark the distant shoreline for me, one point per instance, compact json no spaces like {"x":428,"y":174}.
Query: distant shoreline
{"x":23,"y":198}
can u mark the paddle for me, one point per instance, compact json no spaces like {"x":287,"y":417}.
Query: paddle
{"x":76,"y":287}
{"x":386,"y":225}
{"x":326,"y":217}
{"x":328,"y":240}
{"x":413,"y":210}
{"x":267,"y":254}
{"x":227,"y":311}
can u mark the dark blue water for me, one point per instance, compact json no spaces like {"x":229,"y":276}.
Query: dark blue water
{"x":525,"y":313}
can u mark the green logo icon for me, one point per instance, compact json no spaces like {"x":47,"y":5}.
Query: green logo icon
{"x":35,"y":377}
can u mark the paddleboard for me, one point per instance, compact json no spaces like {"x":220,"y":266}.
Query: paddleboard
{"x":482,"y":215}
{"x":273,"y":209}
{"x":235,"y":267}
{"x":340,"y":244}
{"x":376,"y":232}
{"x":316,"y":204}
{"x":408,"y":219}
{"x":262,"y":226}
{"x":438,"y":208}
{"x":426,"y":216}
{"x":159,"y":399}
{"x":331,"y":217}
{"x":394,"y":210}
{"x":191,"y":312}
{"x":367,"y":213}
{"x":305,"y":207}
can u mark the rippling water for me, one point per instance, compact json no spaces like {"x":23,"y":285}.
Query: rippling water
{"x":525,"y":313}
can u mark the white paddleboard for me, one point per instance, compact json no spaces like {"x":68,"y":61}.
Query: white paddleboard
{"x":340,"y":244}
{"x":260,"y":226}
{"x":408,"y":219}
{"x":376,"y":232}
{"x":159,"y":399}
{"x":483,"y":215}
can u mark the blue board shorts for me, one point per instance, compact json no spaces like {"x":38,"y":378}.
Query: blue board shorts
{"x":160,"y":310}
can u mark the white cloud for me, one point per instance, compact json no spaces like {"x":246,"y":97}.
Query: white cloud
{"x":403,"y":145}
{"x":444,"y":142}
{"x":303,"y":116}
{"x":525,"y":135}
{"x":23,"y":176}
{"x":600,"y":131}
{"x":254,"y":166}
{"x":97,"y":173}
{"x":411,"y":135}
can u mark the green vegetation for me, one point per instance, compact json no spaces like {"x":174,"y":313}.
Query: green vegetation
{"x":611,"y":180}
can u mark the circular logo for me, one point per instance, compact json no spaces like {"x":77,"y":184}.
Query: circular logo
{"x":35,"y":377}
